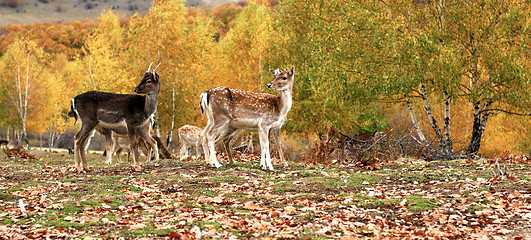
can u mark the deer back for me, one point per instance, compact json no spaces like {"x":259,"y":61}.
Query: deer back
{"x":245,"y":109}
{"x":190,"y":134}
{"x":110,"y":109}
{"x":241,"y":105}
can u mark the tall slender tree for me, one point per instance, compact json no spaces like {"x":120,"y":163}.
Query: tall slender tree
{"x":24,"y":61}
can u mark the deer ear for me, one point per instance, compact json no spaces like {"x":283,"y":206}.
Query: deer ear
{"x":272,"y":72}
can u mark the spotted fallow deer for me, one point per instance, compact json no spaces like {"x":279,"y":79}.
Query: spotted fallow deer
{"x":230,"y":111}
{"x":189,"y":135}
{"x":115,"y":111}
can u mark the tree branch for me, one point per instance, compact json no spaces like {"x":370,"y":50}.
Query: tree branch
{"x":506,"y":111}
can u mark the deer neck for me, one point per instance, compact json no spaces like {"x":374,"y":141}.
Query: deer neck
{"x":285,"y":101}
{"x":150,"y":104}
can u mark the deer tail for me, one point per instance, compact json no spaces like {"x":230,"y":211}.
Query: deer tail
{"x":73,"y":111}
{"x":204,"y":102}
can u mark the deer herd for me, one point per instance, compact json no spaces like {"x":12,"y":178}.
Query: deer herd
{"x":126,"y":120}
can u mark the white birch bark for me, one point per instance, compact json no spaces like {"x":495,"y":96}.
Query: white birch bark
{"x":414,"y":120}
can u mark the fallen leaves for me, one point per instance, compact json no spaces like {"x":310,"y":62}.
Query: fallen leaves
{"x":318,"y":201}
{"x":19,"y":152}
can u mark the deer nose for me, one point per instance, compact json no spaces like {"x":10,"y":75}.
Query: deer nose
{"x":269,"y":85}
{"x":136,"y":90}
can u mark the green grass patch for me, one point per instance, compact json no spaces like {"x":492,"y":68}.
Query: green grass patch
{"x":238,"y":195}
{"x":412,"y":202}
{"x":206,"y":225}
{"x":149,"y":230}
{"x":421,"y":203}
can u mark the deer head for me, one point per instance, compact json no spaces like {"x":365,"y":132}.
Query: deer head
{"x":150,"y":82}
{"x":282,"y":80}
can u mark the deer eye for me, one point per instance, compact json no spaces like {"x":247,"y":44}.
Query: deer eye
{"x":149,"y":81}
{"x":284,"y":78}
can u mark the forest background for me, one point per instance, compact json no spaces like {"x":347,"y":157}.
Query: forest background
{"x":454,"y":72}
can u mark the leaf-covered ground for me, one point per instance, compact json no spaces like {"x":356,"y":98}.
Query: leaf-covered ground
{"x":170,"y":199}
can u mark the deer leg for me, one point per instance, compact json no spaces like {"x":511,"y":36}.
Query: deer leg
{"x":117,"y":152}
{"x":227,"y":137}
{"x":116,"y":148}
{"x":198,"y":149}
{"x":204,"y":144}
{"x":144,"y":148}
{"x":89,"y":139}
{"x":80,"y":140}
{"x":109,"y":145}
{"x":209,"y":145}
{"x":276,"y":136}
{"x":152,"y":144}
{"x":79,"y":147}
{"x":133,"y":139}
{"x":83,"y":157}
{"x":226,"y":146}
{"x":183,"y":152}
{"x":265,"y":157}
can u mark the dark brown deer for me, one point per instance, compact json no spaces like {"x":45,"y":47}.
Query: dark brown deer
{"x":231,"y":111}
{"x":114,"y":111}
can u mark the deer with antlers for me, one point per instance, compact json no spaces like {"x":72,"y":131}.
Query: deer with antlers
{"x":230,"y":111}
{"x":117,"y":111}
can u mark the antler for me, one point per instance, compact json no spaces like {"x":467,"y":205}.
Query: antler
{"x":149,"y":68}
{"x":156,"y":67}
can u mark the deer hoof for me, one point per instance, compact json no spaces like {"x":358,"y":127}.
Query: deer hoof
{"x":137,"y":168}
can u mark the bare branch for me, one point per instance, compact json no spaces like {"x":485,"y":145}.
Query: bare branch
{"x":506,"y":111}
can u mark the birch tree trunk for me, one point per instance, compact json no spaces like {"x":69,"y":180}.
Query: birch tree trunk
{"x":414,"y":120}
{"x":481,"y":117}
{"x":20,"y":100}
{"x":429,"y":114}
{"x":169,"y":139}
{"x":448,"y":145}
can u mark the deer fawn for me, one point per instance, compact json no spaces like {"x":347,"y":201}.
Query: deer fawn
{"x":121,"y":144}
{"x":189,"y":136}
{"x":117,"y":141}
{"x":117,"y":111}
{"x":231,"y":111}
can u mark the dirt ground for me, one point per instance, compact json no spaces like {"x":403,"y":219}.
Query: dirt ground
{"x":171,"y":199}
